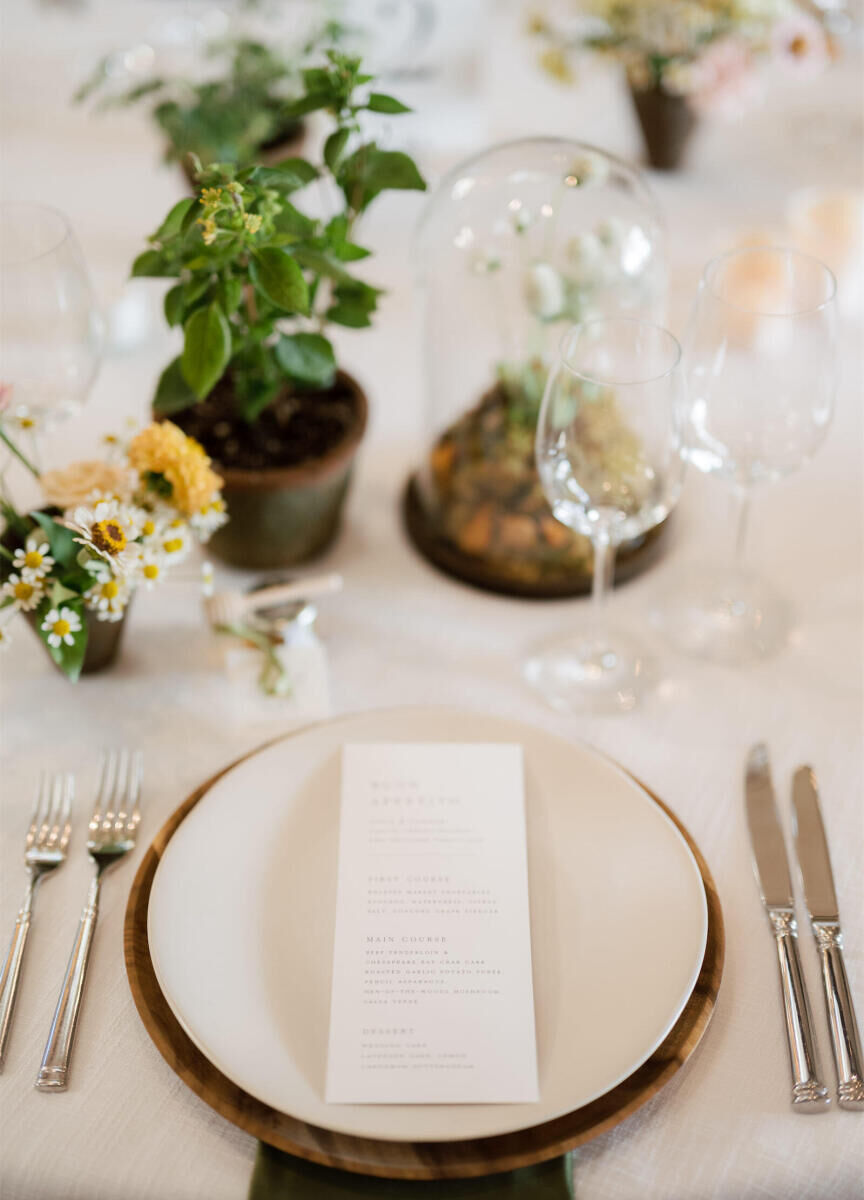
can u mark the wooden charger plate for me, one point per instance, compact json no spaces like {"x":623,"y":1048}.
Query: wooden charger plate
{"x":408,"y":1160}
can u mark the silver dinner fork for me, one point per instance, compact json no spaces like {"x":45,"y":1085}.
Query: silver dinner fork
{"x":112,"y":832}
{"x":44,"y":851}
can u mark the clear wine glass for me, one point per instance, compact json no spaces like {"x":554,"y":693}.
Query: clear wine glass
{"x":760,"y":362}
{"x":609,"y":453}
{"x":50,"y":328}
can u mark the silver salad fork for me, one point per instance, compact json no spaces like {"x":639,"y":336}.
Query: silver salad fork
{"x":113,"y":828}
{"x":44,"y":850}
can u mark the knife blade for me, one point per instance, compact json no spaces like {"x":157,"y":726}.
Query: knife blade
{"x":766,"y":834}
{"x":814,"y":860}
{"x":771,"y":865}
{"x":811,"y":846}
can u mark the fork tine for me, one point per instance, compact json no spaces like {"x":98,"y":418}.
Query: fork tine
{"x":51,"y":829}
{"x":120,"y":792}
{"x":66,"y":824}
{"x":106,"y":785}
{"x":134,"y":796}
{"x":38,"y":807}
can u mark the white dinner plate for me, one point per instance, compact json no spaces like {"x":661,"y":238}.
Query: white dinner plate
{"x":241,"y":919}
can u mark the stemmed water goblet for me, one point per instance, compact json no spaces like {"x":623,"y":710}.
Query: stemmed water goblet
{"x":50,"y":327}
{"x":609,"y":455}
{"x":760,"y":364}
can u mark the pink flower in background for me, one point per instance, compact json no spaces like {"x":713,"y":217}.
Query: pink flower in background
{"x":5,"y":395}
{"x":798,"y":41}
{"x":724,"y":78}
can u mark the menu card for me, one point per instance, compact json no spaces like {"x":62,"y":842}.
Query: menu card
{"x":432,"y":998}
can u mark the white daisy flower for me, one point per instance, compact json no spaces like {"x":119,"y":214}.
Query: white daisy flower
{"x":61,"y":625}
{"x":175,"y":541}
{"x":24,"y":420}
{"x":108,"y":596}
{"x":24,"y":593}
{"x":109,"y":529}
{"x":150,"y":568}
{"x":210,"y":518}
{"x":33,"y":561}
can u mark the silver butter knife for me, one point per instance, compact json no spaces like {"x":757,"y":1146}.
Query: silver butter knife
{"x":775,"y":884}
{"x":818,"y":880}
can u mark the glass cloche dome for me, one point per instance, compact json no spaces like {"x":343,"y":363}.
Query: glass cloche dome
{"x":516,"y":244}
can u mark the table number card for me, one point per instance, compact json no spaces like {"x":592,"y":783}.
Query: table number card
{"x":432,"y":998}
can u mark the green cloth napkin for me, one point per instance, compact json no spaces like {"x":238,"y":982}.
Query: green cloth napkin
{"x":280,"y":1176}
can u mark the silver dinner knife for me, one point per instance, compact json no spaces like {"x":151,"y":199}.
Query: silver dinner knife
{"x":818,"y":880}
{"x":775,"y":885}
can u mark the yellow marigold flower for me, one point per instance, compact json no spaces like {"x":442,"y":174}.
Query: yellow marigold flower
{"x":164,"y":449}
{"x":252,"y":221}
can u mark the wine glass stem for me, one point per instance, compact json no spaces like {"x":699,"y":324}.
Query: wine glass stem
{"x":604,"y":562}
{"x":742,"y":524}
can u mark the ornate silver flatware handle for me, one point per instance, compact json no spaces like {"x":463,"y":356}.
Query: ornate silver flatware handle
{"x":55,"y":1060}
{"x":808,"y":1093}
{"x":12,"y":971}
{"x":845,"y":1040}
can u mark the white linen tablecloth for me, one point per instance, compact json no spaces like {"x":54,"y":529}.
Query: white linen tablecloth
{"x":128,"y":1129}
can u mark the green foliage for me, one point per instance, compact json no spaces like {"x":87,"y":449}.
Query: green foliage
{"x":258,"y":278}
{"x":229,"y":117}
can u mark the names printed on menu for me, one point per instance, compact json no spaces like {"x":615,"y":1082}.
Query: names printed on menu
{"x":432,"y":996}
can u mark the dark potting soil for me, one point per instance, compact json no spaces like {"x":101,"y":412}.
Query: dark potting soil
{"x":296,"y":428}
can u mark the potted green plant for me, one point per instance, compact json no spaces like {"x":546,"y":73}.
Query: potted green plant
{"x":258,"y":282}
{"x":683,"y":58}
{"x":241,"y":113}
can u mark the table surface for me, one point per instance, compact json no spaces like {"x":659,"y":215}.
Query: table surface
{"x":402,"y":634}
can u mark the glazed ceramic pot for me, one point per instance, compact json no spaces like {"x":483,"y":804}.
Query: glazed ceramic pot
{"x":667,"y":123}
{"x":281,"y":516}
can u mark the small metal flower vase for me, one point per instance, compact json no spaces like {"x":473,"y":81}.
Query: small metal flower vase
{"x":104,"y":639}
{"x":667,"y":123}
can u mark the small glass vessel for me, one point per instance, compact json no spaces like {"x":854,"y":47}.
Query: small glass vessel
{"x":50,"y":326}
{"x":517,"y":244}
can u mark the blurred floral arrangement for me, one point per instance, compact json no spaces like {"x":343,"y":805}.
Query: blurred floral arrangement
{"x":240,"y":109}
{"x":107,"y":527}
{"x":705,"y":50}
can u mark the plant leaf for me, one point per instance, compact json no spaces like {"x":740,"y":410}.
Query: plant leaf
{"x":152,"y":264}
{"x":206,"y":349}
{"x":174,"y":305}
{"x":229,"y":293}
{"x":286,"y":176}
{"x":369,"y":171}
{"x":64,"y":548}
{"x":173,"y":393}
{"x":173,"y":223}
{"x":279,"y":279}
{"x":380,"y":103}
{"x":334,"y":147}
{"x":321,"y":263}
{"x":68,"y":658}
{"x":354,"y":302}
{"x":291,"y":221}
{"x":307,"y":358}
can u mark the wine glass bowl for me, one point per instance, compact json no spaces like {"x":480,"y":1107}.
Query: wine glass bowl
{"x":609,"y":456}
{"x":761,"y":368}
{"x":50,"y":328}
{"x":763,"y":318}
